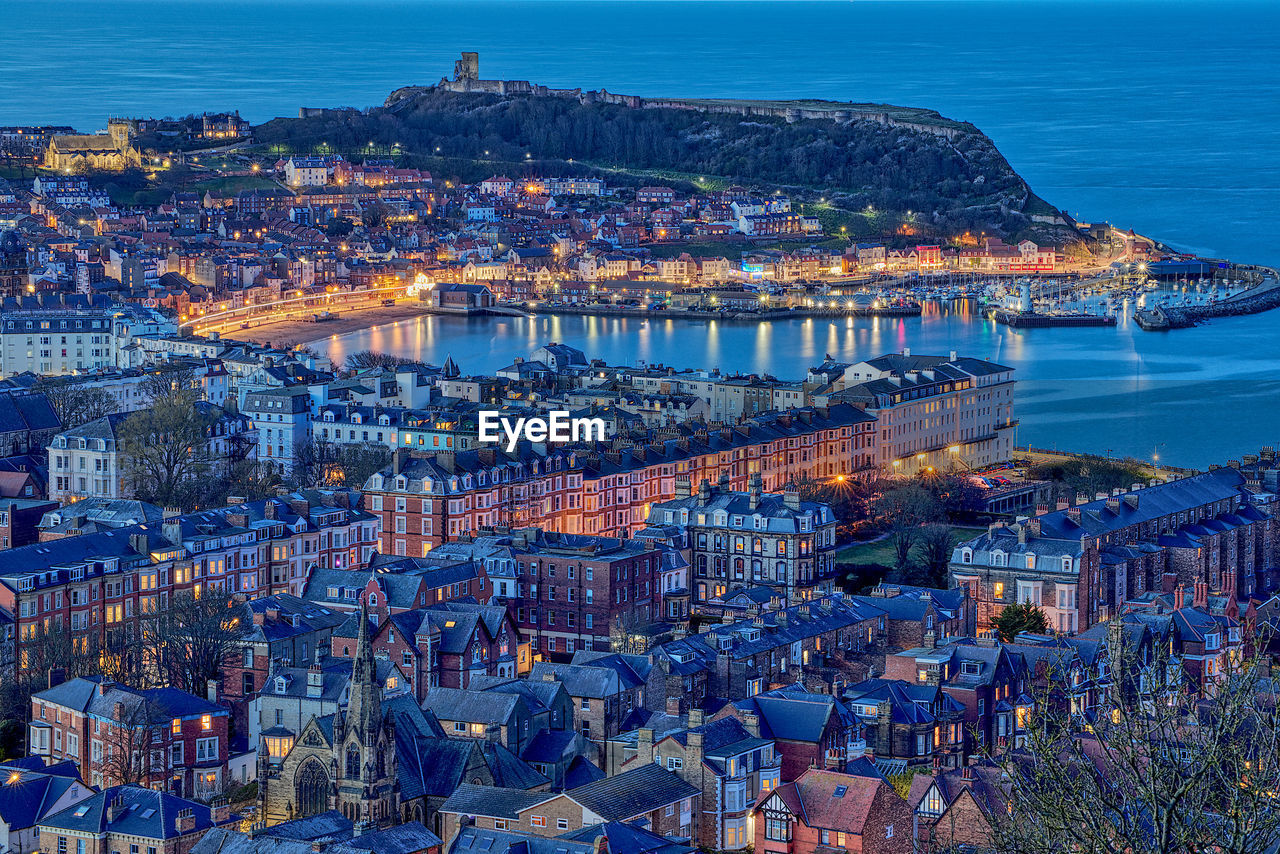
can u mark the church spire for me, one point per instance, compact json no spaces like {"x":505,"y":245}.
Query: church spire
{"x":364,"y":711}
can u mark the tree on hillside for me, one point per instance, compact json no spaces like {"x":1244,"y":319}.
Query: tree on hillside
{"x":904,"y":510}
{"x":1020,"y":617}
{"x":1159,"y":768}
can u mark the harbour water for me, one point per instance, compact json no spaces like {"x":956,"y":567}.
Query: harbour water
{"x":1192,"y":397}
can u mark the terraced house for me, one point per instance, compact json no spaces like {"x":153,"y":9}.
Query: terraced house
{"x":1081,"y":563}
{"x":163,"y":738}
{"x":815,"y":639}
{"x":605,"y":488}
{"x":97,"y":586}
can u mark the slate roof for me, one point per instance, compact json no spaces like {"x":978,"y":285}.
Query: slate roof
{"x":146,"y":813}
{"x":326,"y":825}
{"x":224,"y":840}
{"x":627,"y":838}
{"x":405,"y":838}
{"x":632,"y":793}
{"x":796,"y":716}
{"x":479,"y":840}
{"x":460,"y":704}
{"x":27,"y":796}
{"x":493,"y":801}
{"x":154,"y":705}
{"x":579,"y":680}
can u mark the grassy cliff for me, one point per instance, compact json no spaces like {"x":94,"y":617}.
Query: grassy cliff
{"x":917,"y":173}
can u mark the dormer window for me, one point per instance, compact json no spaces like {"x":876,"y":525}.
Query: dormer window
{"x":966,"y":556}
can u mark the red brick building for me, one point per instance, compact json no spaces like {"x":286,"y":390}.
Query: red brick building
{"x":444,"y":645}
{"x":568,"y":592}
{"x":826,"y":810}
{"x":161,"y":738}
{"x":423,"y":501}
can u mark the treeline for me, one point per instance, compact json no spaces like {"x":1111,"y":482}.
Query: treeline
{"x":960,"y":182}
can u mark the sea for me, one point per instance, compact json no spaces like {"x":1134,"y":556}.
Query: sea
{"x":1156,"y":115}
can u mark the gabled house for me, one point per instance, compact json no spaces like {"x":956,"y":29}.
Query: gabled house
{"x":825,"y":810}
{"x":808,"y":730}
{"x":728,"y":763}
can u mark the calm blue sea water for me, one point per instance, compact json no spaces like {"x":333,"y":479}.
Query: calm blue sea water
{"x":1157,"y":115}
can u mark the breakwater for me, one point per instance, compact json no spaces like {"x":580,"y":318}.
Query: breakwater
{"x":1264,"y":297}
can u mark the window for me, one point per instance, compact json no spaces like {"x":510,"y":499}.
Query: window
{"x":562,"y":823}
{"x":206,"y":722}
{"x":932,"y":803}
{"x":888,"y":832}
{"x":206,"y":749}
{"x":674,"y":763}
{"x":538,"y":821}
{"x":777,"y":829}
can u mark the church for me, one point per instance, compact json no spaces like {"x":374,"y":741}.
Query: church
{"x":380,"y":761}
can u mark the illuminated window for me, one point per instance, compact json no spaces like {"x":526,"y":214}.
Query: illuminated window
{"x":998,"y":590}
{"x":176,"y":727}
{"x":206,"y":722}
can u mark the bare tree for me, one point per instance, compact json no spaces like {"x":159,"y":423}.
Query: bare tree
{"x":192,"y":638}
{"x":128,"y":744}
{"x":366,"y":359}
{"x":321,"y":463}
{"x":76,"y":403}
{"x":904,"y":511}
{"x":935,"y":544}
{"x":1159,"y":768}
{"x":166,"y":451}
{"x":627,"y":635}
{"x":171,"y":383}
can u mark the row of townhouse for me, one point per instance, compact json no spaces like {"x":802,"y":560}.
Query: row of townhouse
{"x":96,"y":586}
{"x":424,"y":502}
{"x":1081,"y":563}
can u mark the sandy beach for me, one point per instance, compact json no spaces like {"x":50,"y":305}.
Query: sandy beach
{"x":296,"y":331}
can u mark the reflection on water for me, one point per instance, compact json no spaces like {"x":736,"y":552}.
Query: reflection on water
{"x":1195,"y":395}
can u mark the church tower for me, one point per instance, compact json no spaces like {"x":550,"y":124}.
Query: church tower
{"x":364,"y":742}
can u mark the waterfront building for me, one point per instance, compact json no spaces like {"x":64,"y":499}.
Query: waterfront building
{"x":1080,"y":564}
{"x":51,"y":335}
{"x":605,"y":488}
{"x":932,"y":412}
